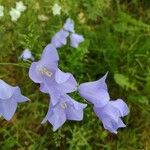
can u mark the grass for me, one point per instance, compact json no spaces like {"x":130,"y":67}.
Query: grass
{"x":117,"y":39}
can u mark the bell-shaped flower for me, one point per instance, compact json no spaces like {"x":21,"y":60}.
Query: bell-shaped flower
{"x":75,"y":40}
{"x":109,"y":112}
{"x":9,"y":97}
{"x":45,"y":68}
{"x":60,"y":38}
{"x":26,"y":55}
{"x":66,"y":109}
{"x":69,"y":25}
{"x":95,"y":92}
{"x":52,"y":80}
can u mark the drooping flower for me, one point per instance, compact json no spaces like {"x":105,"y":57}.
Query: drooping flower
{"x":60,"y":38}
{"x":52,"y":80}
{"x":66,"y":109}
{"x":9,"y":97}
{"x":20,"y":6}
{"x":69,"y":25}
{"x":56,"y":9}
{"x":26,"y":54}
{"x":75,"y":40}
{"x":15,"y":14}
{"x":1,"y":11}
{"x":109,"y":112}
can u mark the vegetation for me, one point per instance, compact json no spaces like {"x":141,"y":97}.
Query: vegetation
{"x":117,"y":39}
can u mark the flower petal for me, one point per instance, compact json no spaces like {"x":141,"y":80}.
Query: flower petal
{"x":61,"y":77}
{"x":6,"y":91}
{"x":75,"y":109}
{"x":56,"y":116}
{"x":69,"y":25}
{"x":60,"y":38}
{"x":75,"y":40}
{"x":95,"y":92}
{"x":121,"y":106}
{"x":33,"y":74}
{"x":50,"y":57}
{"x":18,"y":97}
{"x":66,"y":81}
{"x":8,"y":109}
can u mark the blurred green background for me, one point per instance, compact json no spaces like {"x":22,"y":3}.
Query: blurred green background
{"x":117,"y":39}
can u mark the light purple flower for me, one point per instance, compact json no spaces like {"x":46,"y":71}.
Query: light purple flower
{"x":60,"y":38}
{"x":109,"y":112}
{"x":26,"y":54}
{"x":69,"y":25}
{"x":9,"y":97}
{"x":66,"y":109}
{"x":75,"y":40}
{"x":95,"y":92}
{"x":52,"y":80}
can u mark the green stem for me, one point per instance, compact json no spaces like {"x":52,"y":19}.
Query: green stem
{"x":16,"y":64}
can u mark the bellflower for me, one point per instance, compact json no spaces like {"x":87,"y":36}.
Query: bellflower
{"x":75,"y":40}
{"x":26,"y":54}
{"x":109,"y":112}
{"x":69,"y":25}
{"x":50,"y":77}
{"x":60,"y":38}
{"x":66,"y":109}
{"x":9,"y":97}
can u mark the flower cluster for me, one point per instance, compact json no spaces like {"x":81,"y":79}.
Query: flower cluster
{"x":60,"y":38}
{"x":109,"y":112}
{"x":58,"y":84}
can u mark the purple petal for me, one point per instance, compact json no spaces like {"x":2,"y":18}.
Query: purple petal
{"x":75,"y":110}
{"x":56,"y":116}
{"x":50,"y":57}
{"x":46,"y":67}
{"x":121,"y":106}
{"x":26,"y":54}
{"x":60,"y":38}
{"x":34,"y":74}
{"x":61,"y":77}
{"x":107,"y":111}
{"x":6,"y":91}
{"x":69,"y":25}
{"x":75,"y":40}
{"x":66,"y":81}
{"x":95,"y":92}
{"x":110,"y":117}
{"x":8,"y":109}
{"x":18,"y":97}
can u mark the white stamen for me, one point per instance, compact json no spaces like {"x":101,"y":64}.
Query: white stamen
{"x":63,"y":105}
{"x":45,"y":71}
